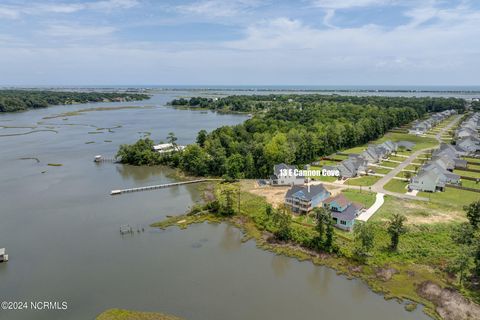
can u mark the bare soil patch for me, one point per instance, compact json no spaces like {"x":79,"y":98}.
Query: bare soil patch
{"x":449,"y":303}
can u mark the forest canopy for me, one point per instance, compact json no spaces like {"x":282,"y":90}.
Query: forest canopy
{"x":18,"y":100}
{"x":294,"y":129}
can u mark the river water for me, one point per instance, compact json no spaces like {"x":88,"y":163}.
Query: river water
{"x":61,"y":229}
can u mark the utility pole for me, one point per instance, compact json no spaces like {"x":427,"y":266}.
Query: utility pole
{"x":239,"y":192}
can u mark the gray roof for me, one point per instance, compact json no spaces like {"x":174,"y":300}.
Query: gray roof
{"x":304,"y":193}
{"x":350,"y":213}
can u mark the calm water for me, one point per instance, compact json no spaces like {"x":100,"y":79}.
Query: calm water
{"x":60,"y":228}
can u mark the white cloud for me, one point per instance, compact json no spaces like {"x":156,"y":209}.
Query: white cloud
{"x":9,"y":12}
{"x":217,"y":8}
{"x":436,"y":46}
{"x":346,"y":4}
{"x":14,"y":12}
{"x":78,"y":31}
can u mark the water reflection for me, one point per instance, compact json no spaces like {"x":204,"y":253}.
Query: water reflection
{"x":280,"y":265}
{"x":231,"y":239}
{"x":319,"y":279}
{"x":141,"y":174}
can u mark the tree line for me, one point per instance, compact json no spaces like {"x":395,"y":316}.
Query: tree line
{"x":295,"y":132}
{"x":18,"y":100}
{"x":254,"y":103}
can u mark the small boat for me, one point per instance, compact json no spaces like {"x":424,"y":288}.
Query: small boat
{"x":3,"y":255}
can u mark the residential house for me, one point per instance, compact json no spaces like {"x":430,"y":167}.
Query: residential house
{"x":375,"y":153}
{"x":167,"y":147}
{"x":470,"y":145}
{"x":427,"y":181}
{"x":344,"y":212}
{"x":351,"y":167}
{"x":372,"y":154}
{"x":302,"y":199}
{"x":433,"y":176}
{"x":407,"y":145}
{"x":283,"y":175}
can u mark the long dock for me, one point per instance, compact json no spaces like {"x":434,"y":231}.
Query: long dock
{"x":159,"y":186}
{"x":100,"y":158}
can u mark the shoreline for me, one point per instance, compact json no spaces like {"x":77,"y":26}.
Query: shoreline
{"x":410,"y":284}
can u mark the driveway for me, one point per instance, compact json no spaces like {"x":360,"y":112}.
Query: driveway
{"x":379,"y":200}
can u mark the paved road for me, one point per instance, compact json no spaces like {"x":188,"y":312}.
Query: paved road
{"x":378,"y":186}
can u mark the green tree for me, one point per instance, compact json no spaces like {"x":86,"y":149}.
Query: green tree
{"x":195,"y":160}
{"x":172,"y":139}
{"x":202,"y":137}
{"x":235,"y":166}
{"x":462,"y":264}
{"x":282,"y":220}
{"x":396,"y":228}
{"x":473,"y":214}
{"x":329,"y":234}
{"x":364,"y":237}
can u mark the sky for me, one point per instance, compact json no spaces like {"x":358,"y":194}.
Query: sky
{"x":239,"y":42}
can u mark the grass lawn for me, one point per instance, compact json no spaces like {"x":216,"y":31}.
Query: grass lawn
{"x":451,"y":196}
{"x":405,"y":153}
{"x":363,"y":181}
{"x":475,"y":166}
{"x":412,"y":167}
{"x":389,"y":164}
{"x":467,"y":173}
{"x":338,"y":156}
{"x":471,"y":184}
{"x":380,"y":170}
{"x":420,"y":212}
{"x":396,"y":186}
{"x":420,"y":142}
{"x":405,"y":174}
{"x":364,"y":197}
{"x":324,"y":178}
{"x":359,"y":149}
{"x":401,"y":159}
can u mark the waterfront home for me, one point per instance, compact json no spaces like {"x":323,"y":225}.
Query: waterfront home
{"x":167,"y":147}
{"x":302,"y":199}
{"x":3,"y":255}
{"x":283,"y":175}
{"x":344,"y":212}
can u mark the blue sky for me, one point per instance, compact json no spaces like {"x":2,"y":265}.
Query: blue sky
{"x":240,"y":42}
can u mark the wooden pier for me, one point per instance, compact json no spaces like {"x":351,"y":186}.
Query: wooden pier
{"x":159,"y":186}
{"x":101,"y":158}
{"x":3,"y":255}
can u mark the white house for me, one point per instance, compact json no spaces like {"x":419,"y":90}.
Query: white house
{"x":283,"y":175}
